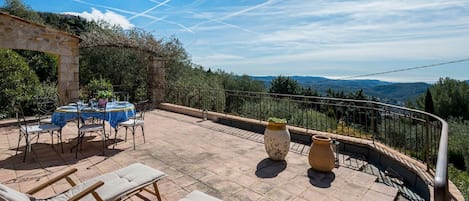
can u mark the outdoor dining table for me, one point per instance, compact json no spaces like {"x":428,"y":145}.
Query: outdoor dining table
{"x":116,"y":112}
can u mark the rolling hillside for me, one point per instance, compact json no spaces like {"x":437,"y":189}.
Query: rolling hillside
{"x":396,"y":93}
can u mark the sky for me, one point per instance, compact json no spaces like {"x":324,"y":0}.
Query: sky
{"x":334,"y":39}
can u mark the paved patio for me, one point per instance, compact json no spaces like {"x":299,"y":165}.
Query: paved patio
{"x":222,"y":161}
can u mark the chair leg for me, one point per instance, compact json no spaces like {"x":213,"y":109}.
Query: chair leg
{"x":52,"y":139}
{"x":133,"y":136}
{"x":104,"y":142}
{"x":61,"y":141}
{"x":157,"y":192}
{"x":19,"y":140}
{"x":27,"y":148}
{"x":125,"y":138}
{"x":76,"y":151}
{"x":79,"y":143}
{"x":143,"y":134}
{"x":115,"y":138}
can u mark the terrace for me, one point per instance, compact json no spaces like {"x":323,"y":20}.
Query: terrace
{"x":385,"y":152}
{"x":218,"y":157}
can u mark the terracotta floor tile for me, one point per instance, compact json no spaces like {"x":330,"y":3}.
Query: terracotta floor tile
{"x":197,"y":155}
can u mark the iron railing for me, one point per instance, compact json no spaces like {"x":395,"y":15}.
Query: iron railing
{"x":415,"y":133}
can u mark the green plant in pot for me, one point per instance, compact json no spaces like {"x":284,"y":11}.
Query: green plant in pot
{"x":103,"y":97}
{"x":277,"y":120}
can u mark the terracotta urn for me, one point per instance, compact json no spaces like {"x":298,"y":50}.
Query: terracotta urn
{"x":277,"y":140}
{"x":321,"y":155}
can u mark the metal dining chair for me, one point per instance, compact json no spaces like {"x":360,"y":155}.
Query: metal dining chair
{"x":44,"y":109}
{"x":28,"y":131}
{"x":134,"y":122}
{"x":84,"y":126}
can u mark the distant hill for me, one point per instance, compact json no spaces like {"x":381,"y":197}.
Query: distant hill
{"x":396,"y":93}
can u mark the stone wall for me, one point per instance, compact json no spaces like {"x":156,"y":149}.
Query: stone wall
{"x":17,"y":33}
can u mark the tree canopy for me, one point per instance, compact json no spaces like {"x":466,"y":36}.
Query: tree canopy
{"x":450,"y":98}
{"x":284,"y":85}
{"x":18,"y":83}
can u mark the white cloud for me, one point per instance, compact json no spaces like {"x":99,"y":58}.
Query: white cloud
{"x":319,"y":37}
{"x":108,"y":16}
{"x":214,"y":59}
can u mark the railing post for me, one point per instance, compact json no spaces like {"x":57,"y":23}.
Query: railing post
{"x":427,"y":146}
{"x":372,"y":123}
{"x":200,"y":98}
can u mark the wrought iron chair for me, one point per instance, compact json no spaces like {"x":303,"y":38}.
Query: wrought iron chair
{"x":134,"y":122}
{"x":84,"y":126}
{"x":121,"y":95}
{"x":45,"y":107}
{"x":29,"y":131}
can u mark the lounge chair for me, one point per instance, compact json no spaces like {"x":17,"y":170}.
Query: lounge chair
{"x":199,"y":196}
{"x":117,"y":185}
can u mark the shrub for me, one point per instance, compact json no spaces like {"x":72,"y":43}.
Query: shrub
{"x":460,"y":179}
{"x":18,"y":83}
{"x":458,"y":143}
{"x":96,"y":85}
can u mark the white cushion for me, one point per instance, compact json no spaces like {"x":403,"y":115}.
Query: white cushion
{"x":91,"y":128}
{"x":9,"y":194}
{"x":199,"y":196}
{"x":131,"y":122}
{"x":40,"y":128}
{"x":116,"y":184}
{"x":46,"y":121}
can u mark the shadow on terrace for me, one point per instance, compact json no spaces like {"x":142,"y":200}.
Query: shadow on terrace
{"x":386,"y":152}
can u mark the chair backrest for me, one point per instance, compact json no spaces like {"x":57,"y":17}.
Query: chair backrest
{"x":45,"y":107}
{"x":141,"y":107}
{"x":20,"y":118}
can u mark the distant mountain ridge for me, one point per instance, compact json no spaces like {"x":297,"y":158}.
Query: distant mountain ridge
{"x":391,"y":92}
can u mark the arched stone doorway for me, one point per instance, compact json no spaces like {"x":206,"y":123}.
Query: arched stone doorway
{"x":153,"y":50}
{"x":17,"y":33}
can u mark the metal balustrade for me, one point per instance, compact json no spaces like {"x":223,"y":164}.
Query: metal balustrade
{"x":415,"y":133}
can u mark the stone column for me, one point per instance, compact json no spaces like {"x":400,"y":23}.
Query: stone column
{"x":157,"y":80}
{"x":68,"y":77}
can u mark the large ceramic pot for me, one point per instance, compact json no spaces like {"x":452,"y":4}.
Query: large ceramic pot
{"x":321,"y":155}
{"x":277,"y":140}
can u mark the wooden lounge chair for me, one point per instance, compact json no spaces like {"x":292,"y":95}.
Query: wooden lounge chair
{"x":117,"y":185}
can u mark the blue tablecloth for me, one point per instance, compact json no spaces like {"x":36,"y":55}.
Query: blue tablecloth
{"x":116,"y":112}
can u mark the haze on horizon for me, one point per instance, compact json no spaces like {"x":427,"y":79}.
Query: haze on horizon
{"x":333,"y":39}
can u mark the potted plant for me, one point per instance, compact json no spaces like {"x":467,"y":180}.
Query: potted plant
{"x":277,"y":138}
{"x":103,"y":97}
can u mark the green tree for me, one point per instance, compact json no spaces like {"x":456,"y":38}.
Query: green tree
{"x":450,"y":98}
{"x":284,"y":85}
{"x":18,"y":83}
{"x":429,"y":107}
{"x":44,"y":64}
{"x":17,"y":8}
